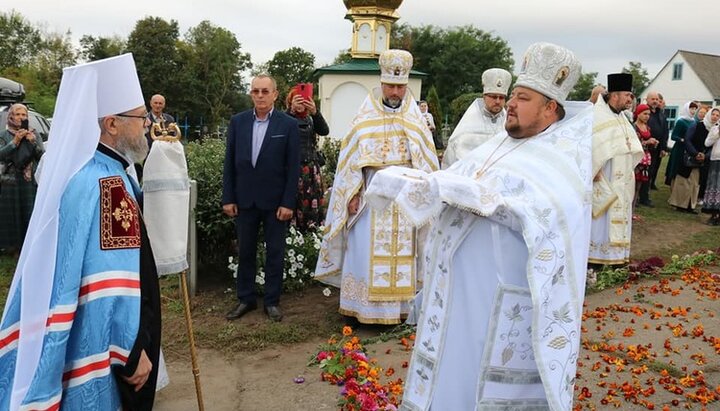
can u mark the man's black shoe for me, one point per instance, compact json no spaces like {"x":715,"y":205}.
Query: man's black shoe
{"x":273,"y":311}
{"x":240,"y":310}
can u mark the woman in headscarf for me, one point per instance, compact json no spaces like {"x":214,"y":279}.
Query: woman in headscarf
{"x":641,"y":116}
{"x":20,"y":150}
{"x":712,"y":191}
{"x":686,"y":186}
{"x":686,"y":118}
{"x":310,"y":202}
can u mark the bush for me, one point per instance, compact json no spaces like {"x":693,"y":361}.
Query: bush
{"x":215,"y":231}
{"x":301,"y":254}
{"x":330,"y":148}
{"x":460,"y":105}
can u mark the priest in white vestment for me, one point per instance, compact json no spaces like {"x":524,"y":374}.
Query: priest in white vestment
{"x":371,"y":254}
{"x":483,"y":119}
{"x":616,"y":152}
{"x":506,"y":257}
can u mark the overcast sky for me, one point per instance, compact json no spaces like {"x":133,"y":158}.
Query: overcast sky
{"x":605,"y":36}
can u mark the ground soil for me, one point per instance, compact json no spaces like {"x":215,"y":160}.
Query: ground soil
{"x":237,"y":375}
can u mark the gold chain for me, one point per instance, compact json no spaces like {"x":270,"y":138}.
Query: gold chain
{"x":486,"y":166}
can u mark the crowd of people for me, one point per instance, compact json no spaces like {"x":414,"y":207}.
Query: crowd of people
{"x":531,"y":189}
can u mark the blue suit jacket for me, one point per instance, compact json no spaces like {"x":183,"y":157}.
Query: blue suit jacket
{"x":273,"y":182}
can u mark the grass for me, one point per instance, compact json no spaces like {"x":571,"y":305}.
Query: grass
{"x":7,"y":269}
{"x":701,"y":235}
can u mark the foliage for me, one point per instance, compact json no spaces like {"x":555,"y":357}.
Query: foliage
{"x":640,"y":76}
{"x":583,"y":88}
{"x":454,"y":58}
{"x":21,"y":40}
{"x":153,"y":45}
{"x":344,"y":362}
{"x":215,"y":62}
{"x":290,"y":67}
{"x":97,"y":48}
{"x":678,"y":265}
{"x":330,"y":148}
{"x":343,"y":56}
{"x":34,"y":58}
{"x":215,"y":230}
{"x":459,"y":105}
{"x":652,"y":267}
{"x":434,"y":106}
{"x":7,"y":270}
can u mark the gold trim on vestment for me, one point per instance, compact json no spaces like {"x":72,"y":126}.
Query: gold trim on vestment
{"x":366,"y":320}
{"x":392,"y":259}
{"x":608,"y":262}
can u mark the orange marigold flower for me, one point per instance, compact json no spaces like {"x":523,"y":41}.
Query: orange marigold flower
{"x":347,"y":331}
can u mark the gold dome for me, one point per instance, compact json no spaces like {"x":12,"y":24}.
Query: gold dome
{"x":384,"y":4}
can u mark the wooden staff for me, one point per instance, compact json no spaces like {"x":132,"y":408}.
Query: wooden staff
{"x":191,"y":337}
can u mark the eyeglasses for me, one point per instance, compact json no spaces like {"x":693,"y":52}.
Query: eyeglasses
{"x":144,"y":116}
{"x":263,"y":91}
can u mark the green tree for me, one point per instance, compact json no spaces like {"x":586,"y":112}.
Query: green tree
{"x":98,"y":48}
{"x":459,"y":105}
{"x":583,"y":88}
{"x":343,"y":56}
{"x":640,"y":76}
{"x":292,"y":66}
{"x":454,"y":58}
{"x":216,"y":62}
{"x":21,"y":41}
{"x":434,"y":107}
{"x":153,"y":43}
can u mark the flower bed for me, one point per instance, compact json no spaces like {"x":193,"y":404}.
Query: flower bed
{"x":344,"y":362}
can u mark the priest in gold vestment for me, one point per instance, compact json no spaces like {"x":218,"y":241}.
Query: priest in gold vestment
{"x":616,"y":152}
{"x":371,"y":255}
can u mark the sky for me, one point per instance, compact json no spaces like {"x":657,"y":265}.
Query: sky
{"x":605,"y":35}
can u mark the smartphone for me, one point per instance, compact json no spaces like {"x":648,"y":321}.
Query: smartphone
{"x":305,"y":90}
{"x":25,"y":125}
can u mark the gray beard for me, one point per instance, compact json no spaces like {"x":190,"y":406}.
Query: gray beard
{"x":392,"y":103}
{"x":136,"y":153}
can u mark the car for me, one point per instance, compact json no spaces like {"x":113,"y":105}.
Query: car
{"x":12,"y":92}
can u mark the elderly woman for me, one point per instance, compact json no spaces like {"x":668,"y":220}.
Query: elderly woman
{"x":684,"y":121}
{"x":310,"y":202}
{"x":20,"y":150}
{"x":712,"y":192}
{"x":686,"y":186}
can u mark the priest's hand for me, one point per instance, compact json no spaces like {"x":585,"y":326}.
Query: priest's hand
{"x":230,"y":210}
{"x":353,"y":205}
{"x":142,"y":372}
{"x":284,"y":213}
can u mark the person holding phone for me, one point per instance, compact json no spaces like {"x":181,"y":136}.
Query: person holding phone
{"x":310,"y":202}
{"x":20,"y":150}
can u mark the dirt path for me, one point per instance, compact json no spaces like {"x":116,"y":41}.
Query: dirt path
{"x":670,"y":324}
{"x":263,"y":379}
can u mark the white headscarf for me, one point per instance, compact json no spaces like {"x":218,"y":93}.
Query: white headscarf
{"x":87,"y":92}
{"x":685,"y":112}
{"x":707,"y":120}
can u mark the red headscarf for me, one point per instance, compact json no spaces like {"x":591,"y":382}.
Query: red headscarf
{"x":639,"y":109}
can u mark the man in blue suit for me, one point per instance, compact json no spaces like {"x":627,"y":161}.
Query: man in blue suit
{"x":262,"y":166}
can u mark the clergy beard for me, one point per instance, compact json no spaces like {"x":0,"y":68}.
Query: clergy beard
{"x":135,"y":149}
{"x":392,"y":102}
